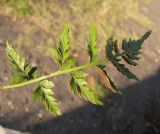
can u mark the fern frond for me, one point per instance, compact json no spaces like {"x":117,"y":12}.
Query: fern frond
{"x":92,"y":51}
{"x":62,"y":54}
{"x":45,"y":94}
{"x":92,"y":44}
{"x":19,"y":66}
{"x":79,"y":84}
{"x":77,"y":81}
{"x":132,"y":48}
{"x":130,"y":52}
{"x":125,"y":71}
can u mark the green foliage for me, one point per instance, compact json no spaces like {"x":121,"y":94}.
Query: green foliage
{"x":62,"y":55}
{"x":22,"y":7}
{"x":24,"y":72}
{"x":45,"y":94}
{"x":132,"y":48}
{"x":92,"y":42}
{"x":130,"y":53}
{"x":92,"y":51}
{"x":124,"y":70}
{"x":19,"y":66}
{"x":79,"y":84}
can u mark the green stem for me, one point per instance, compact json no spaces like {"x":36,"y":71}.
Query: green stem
{"x":53,"y":75}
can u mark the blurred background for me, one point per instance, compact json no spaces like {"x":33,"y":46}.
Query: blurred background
{"x":35,"y":25}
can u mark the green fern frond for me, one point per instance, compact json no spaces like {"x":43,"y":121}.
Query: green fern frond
{"x":77,"y":81}
{"x":132,"y":48}
{"x":92,"y":44}
{"x":112,"y":53}
{"x":45,"y":94}
{"x":62,"y":54}
{"x":124,"y":70}
{"x":19,"y":66}
{"x":93,"y":50}
{"x":130,"y":53}
{"x":79,"y":84}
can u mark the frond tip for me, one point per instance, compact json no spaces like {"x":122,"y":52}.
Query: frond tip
{"x":132,"y":49}
{"x":92,"y":44}
{"x":130,"y":53}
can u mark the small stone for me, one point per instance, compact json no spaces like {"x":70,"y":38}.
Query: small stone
{"x":80,"y":121}
{"x":5,"y":78}
{"x":114,"y":127}
{"x":26,"y":109}
{"x":156,"y":60}
{"x":95,"y":125}
{"x":40,"y":115}
{"x":71,"y":121}
{"x":10,"y":103}
{"x":12,"y":107}
{"x":33,"y":64}
{"x":120,"y":110}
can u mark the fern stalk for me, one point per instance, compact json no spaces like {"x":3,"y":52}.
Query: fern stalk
{"x":61,"y":72}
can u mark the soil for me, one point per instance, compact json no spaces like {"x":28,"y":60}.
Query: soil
{"x":136,"y":111}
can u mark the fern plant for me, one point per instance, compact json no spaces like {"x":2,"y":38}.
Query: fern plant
{"x":62,"y":55}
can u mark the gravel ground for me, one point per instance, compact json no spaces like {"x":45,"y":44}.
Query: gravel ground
{"x":136,"y":111}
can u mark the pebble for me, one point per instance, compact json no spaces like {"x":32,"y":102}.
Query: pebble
{"x":156,"y":60}
{"x":80,"y":121}
{"x":11,"y":105}
{"x":120,"y":110}
{"x":5,"y":78}
{"x":26,"y":109}
{"x":71,"y":121}
{"x":114,"y":127}
{"x":33,"y":64}
{"x":40,"y":115}
{"x":95,"y":125}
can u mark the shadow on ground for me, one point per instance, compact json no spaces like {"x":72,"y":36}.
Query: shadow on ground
{"x":136,"y":111}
